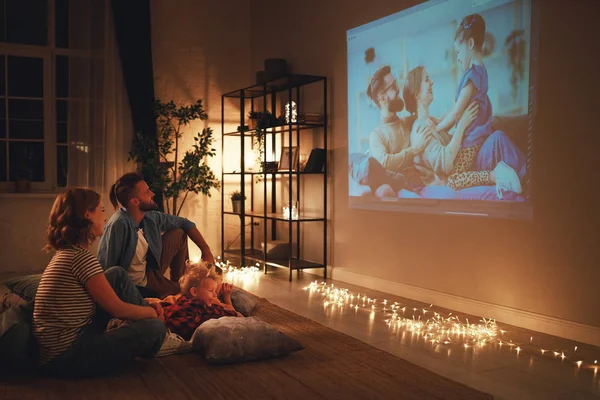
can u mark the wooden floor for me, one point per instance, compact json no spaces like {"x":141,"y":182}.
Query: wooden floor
{"x":332,"y":366}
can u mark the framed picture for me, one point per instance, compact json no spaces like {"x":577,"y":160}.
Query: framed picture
{"x":284,"y":162}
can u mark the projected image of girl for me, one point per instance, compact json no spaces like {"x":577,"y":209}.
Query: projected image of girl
{"x":438,"y":163}
{"x":473,"y":88}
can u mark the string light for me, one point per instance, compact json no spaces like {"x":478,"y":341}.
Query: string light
{"x":437,"y":329}
{"x":231,"y":271}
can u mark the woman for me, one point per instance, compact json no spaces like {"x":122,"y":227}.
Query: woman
{"x":76,"y":298}
{"x":438,"y":161}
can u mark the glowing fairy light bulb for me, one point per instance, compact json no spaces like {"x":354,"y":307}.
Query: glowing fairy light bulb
{"x":543,"y":351}
{"x":595,"y":361}
{"x":518,"y":350}
{"x":325,"y":303}
{"x":562,"y":356}
{"x":579,"y":363}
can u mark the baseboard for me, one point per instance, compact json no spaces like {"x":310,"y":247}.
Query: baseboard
{"x":536,"y":322}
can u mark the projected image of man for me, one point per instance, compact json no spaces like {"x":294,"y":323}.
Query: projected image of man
{"x":390,"y":142}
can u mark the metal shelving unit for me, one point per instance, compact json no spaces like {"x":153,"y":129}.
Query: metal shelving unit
{"x":270,"y":92}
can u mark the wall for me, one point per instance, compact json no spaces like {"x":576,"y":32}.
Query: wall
{"x":200,"y":50}
{"x":548,"y":266}
{"x":23,"y":223}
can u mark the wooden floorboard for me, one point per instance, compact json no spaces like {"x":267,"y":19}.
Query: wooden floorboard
{"x":332,"y":366}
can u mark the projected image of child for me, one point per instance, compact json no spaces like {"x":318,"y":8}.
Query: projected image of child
{"x":473,"y":87}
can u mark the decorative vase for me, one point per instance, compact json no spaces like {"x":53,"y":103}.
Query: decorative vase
{"x":237,"y":206}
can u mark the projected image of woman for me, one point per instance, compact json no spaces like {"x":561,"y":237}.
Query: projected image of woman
{"x":455,"y":158}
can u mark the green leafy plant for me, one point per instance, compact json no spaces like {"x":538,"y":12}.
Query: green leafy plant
{"x":160,"y":161}
{"x":263,"y":120}
{"x":237,"y":195}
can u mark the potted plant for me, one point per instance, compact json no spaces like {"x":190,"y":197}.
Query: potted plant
{"x":161,"y":162}
{"x":24,"y":173}
{"x":259,"y":122}
{"x":236,"y":201}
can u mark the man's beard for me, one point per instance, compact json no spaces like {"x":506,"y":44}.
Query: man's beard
{"x":148,"y":206}
{"x":396,"y":105}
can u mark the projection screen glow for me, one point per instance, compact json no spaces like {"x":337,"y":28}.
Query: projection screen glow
{"x":441,"y":99}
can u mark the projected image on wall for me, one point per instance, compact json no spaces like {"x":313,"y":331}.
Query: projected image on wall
{"x":440,"y":103}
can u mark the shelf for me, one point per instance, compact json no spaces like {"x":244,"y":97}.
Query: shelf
{"x":303,"y":217}
{"x":278,"y":129}
{"x":286,"y":82}
{"x":314,"y":126}
{"x":274,"y":173}
{"x":257,"y":255}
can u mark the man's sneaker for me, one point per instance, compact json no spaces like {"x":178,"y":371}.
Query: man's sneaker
{"x":507,"y":179}
{"x":174,"y":344}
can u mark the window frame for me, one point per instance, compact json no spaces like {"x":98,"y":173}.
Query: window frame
{"x":48,"y":54}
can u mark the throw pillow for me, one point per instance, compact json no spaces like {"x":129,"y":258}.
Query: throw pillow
{"x":17,"y":346}
{"x":25,"y":286}
{"x":8,"y":299}
{"x":232,"y":340}
{"x":242,"y":301}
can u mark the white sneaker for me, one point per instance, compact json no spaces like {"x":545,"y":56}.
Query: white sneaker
{"x":506,"y":179}
{"x":174,"y":344}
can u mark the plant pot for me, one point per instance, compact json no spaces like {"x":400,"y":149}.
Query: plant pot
{"x":252,"y":123}
{"x":237,"y":206}
{"x":22,"y":186}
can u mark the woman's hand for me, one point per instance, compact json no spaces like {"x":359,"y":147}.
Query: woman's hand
{"x":155,"y":304}
{"x":468,"y":116}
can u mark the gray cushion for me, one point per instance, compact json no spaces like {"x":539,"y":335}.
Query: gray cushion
{"x":15,"y":332}
{"x":17,"y":345}
{"x":231,"y":340}
{"x":25,"y":286}
{"x":9,"y":301}
{"x":242,"y":301}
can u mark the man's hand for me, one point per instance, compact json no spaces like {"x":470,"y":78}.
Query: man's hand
{"x":197,"y":238}
{"x":208,"y":257}
{"x":422,"y":138}
{"x":227,"y":289}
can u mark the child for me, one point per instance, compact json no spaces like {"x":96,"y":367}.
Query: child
{"x":198,"y":301}
{"x":473,"y":87}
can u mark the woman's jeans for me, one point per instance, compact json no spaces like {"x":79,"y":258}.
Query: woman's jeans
{"x":96,"y":351}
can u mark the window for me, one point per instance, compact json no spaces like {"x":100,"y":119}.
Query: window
{"x":34,"y":92}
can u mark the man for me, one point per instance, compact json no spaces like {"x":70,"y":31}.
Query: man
{"x":390,"y":142}
{"x":133,"y":239}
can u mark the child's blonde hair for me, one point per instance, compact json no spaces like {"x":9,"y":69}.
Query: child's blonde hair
{"x":195,"y":273}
